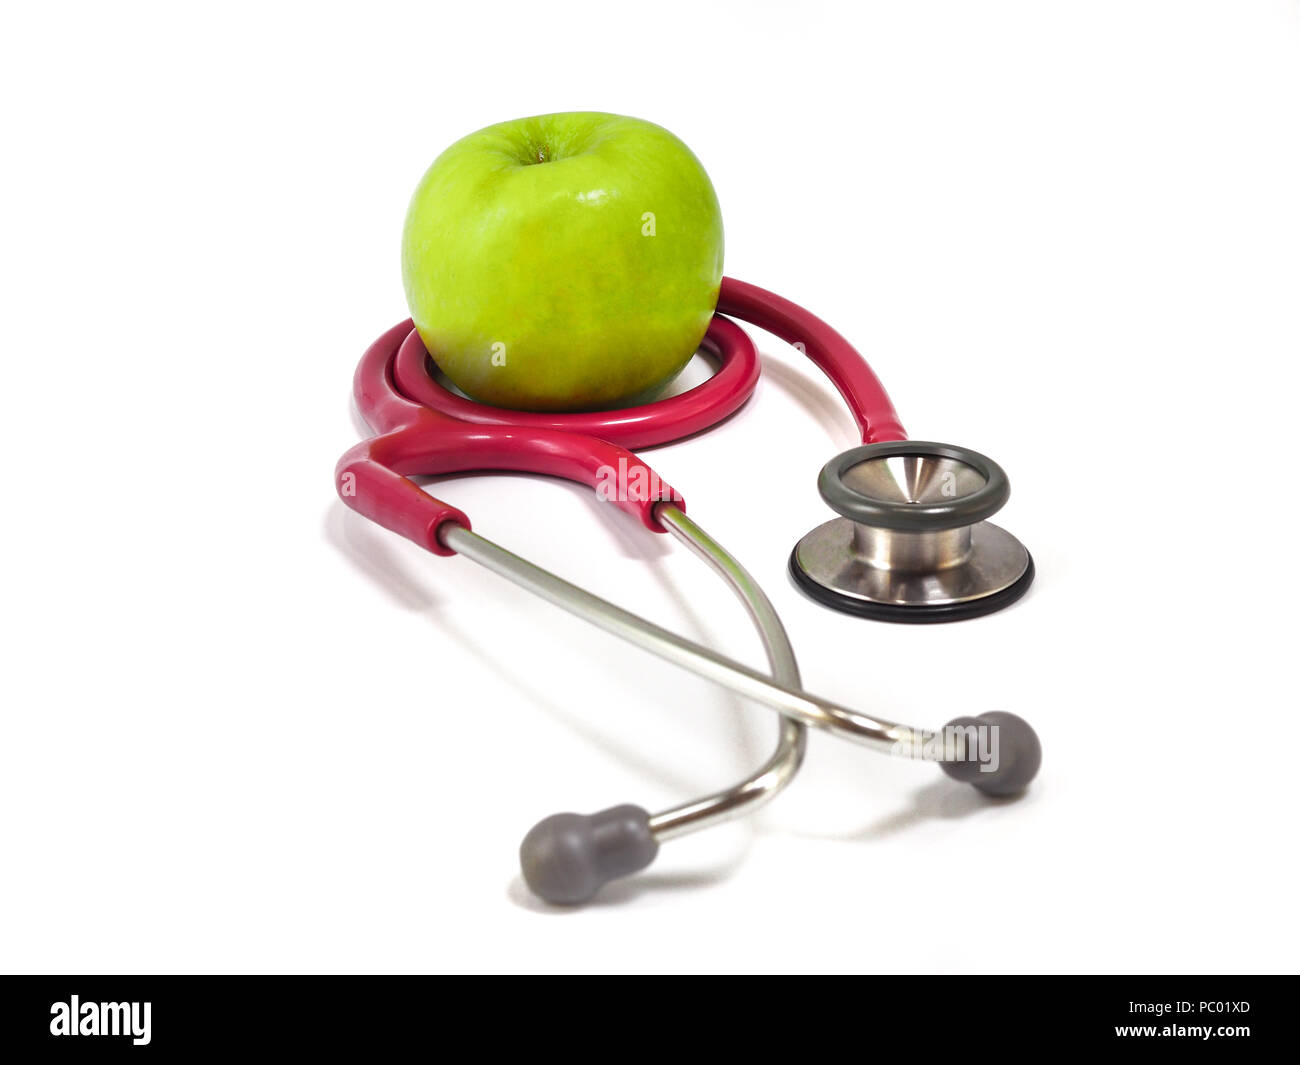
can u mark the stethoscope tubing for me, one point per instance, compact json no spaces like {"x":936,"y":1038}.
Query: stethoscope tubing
{"x":424,"y":429}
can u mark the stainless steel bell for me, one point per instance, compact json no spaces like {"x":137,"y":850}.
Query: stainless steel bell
{"x":913,"y":542}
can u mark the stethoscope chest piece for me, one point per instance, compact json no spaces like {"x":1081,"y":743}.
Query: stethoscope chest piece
{"x":912,"y":542}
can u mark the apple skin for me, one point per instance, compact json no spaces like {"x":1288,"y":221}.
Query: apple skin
{"x":532,"y":271}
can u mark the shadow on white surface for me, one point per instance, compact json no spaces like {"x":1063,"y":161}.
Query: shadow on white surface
{"x":364,"y":432}
{"x":823,"y":409}
{"x":629,"y":889}
{"x":364,"y":545}
{"x":372,"y":554}
{"x":940,"y":800}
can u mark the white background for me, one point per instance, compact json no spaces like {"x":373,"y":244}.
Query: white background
{"x":245,"y":730}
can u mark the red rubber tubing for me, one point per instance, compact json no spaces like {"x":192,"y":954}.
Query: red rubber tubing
{"x":647,"y":425}
{"x":834,"y":356}
{"x":426,"y":430}
{"x":374,"y":476}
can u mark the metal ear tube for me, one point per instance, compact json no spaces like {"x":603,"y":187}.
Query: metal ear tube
{"x":566,"y":858}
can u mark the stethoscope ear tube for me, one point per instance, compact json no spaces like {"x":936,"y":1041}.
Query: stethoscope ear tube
{"x":567,"y":858}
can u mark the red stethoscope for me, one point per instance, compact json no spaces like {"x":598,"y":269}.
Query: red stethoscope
{"x":911,"y":542}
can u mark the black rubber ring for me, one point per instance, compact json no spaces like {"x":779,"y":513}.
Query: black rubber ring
{"x":915,"y":615}
{"x":914,"y":517}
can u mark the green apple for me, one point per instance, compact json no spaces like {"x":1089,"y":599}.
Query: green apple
{"x":563,"y":262}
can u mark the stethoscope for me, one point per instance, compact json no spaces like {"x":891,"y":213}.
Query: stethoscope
{"x":911,"y":542}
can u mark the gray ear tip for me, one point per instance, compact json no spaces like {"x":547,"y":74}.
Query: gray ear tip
{"x":566,"y":858}
{"x":1019,"y":755}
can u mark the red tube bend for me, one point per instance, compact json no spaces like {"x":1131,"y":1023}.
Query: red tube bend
{"x":834,"y":356}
